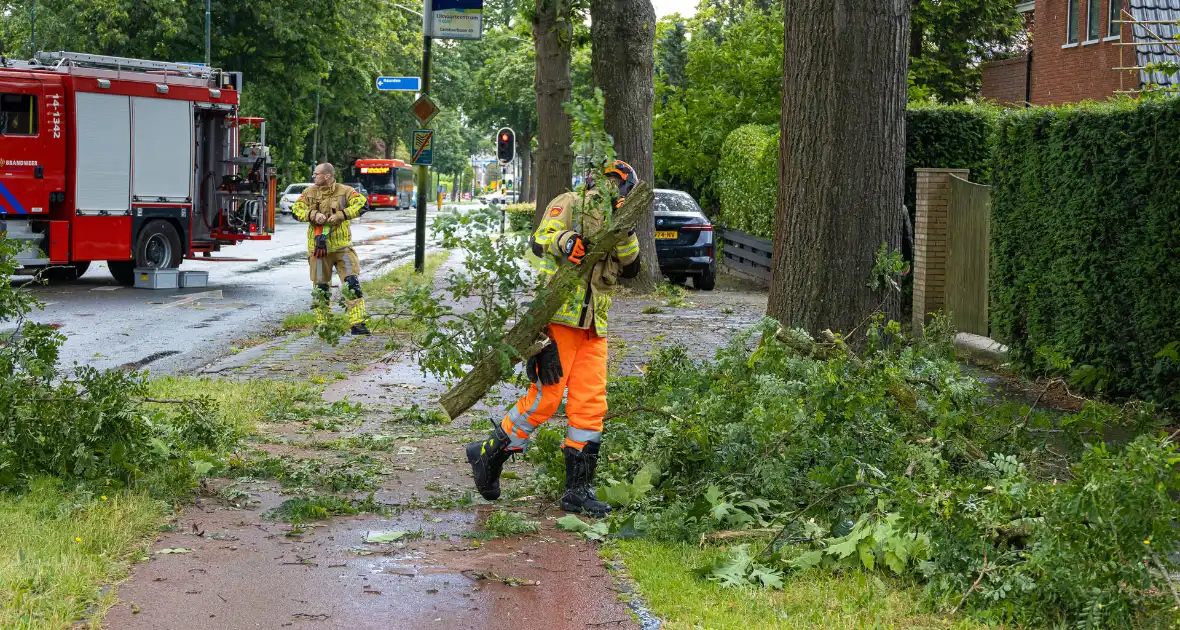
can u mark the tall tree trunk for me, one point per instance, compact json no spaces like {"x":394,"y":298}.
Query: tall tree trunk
{"x":524,"y":158}
{"x":389,"y":144}
{"x":533,"y":178}
{"x":842,"y":149}
{"x":553,"y":32}
{"x":622,"y":34}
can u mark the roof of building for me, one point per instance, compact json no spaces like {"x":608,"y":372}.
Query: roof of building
{"x":1156,"y":21}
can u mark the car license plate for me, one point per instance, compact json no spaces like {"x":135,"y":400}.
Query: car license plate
{"x":672,"y":234}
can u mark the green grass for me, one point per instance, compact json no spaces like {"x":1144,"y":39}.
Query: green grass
{"x":505,"y":524}
{"x":388,"y":284}
{"x":675,"y":593}
{"x":57,"y":547}
{"x":240,"y":403}
{"x":299,"y":321}
{"x":384,"y":286}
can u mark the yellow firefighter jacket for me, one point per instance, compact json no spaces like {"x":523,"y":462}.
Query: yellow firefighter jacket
{"x":341,"y":203}
{"x":588,"y":305}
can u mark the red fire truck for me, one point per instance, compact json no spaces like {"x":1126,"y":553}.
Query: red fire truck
{"x":390,"y":183}
{"x":138,"y":163}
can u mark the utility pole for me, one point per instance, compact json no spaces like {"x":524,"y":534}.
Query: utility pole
{"x":423,"y":175}
{"x":32,"y":29}
{"x":208,"y":30}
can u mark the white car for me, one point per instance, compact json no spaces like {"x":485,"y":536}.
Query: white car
{"x":290,"y":196}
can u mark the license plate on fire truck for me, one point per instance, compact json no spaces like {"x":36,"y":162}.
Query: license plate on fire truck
{"x":667,"y":235}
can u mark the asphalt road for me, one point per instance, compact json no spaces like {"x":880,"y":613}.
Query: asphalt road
{"x":178,"y":330}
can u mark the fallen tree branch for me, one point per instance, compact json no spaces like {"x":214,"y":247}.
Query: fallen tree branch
{"x":1167,"y":577}
{"x":735,"y":533}
{"x":797,"y":515}
{"x":489,"y":370}
{"x":166,"y":401}
{"x":659,"y":412}
{"x":974,"y":586}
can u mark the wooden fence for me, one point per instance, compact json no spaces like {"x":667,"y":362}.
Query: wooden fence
{"x":746,"y":254}
{"x":968,"y":231}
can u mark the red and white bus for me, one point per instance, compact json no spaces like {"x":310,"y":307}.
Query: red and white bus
{"x":390,"y":183}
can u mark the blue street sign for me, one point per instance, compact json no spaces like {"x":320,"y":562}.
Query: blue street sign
{"x":422,"y":148}
{"x":399,"y":84}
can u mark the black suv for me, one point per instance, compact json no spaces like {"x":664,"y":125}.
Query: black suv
{"x":684,"y":240}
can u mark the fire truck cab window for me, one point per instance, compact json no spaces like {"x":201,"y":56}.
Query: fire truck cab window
{"x":18,"y":114}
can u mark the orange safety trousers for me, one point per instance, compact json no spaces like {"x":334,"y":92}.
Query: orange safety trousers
{"x":583,"y":366}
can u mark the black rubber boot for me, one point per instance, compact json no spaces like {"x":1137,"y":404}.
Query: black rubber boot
{"x":360,"y":329}
{"x":580,"y":495}
{"x":487,"y":461}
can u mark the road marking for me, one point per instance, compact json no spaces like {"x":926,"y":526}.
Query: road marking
{"x":194,"y":297}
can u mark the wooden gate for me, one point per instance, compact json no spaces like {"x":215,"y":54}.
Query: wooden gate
{"x":968,"y":230}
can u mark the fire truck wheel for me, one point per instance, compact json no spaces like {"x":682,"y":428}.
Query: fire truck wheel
{"x":123,"y":271}
{"x":158,"y":246}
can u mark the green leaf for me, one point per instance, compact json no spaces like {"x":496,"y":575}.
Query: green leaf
{"x":571,"y":523}
{"x":867,"y":557}
{"x":768,"y":578}
{"x":896,"y":564}
{"x":713,"y":495}
{"x":384,"y":537}
{"x":617,"y":495}
{"x":809,"y":560}
{"x":643,"y":482}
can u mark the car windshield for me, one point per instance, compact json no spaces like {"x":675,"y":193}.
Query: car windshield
{"x":296,"y":189}
{"x":671,"y":202}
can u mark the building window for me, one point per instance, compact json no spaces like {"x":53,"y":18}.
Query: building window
{"x":1093,"y":21}
{"x":18,"y":114}
{"x":1114,"y":28}
{"x":1071,"y":22}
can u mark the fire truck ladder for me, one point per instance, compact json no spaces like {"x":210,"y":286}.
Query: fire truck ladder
{"x":73,"y":59}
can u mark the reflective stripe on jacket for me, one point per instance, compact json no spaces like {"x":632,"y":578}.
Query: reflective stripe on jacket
{"x":329,"y":200}
{"x":588,"y":304}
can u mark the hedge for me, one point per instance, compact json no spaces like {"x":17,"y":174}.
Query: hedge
{"x":954,"y":136}
{"x":958,"y":136}
{"x":747,"y":181}
{"x":1086,"y":244}
{"x":520,"y":216}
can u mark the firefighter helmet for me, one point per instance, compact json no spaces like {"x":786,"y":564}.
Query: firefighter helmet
{"x":626,"y":175}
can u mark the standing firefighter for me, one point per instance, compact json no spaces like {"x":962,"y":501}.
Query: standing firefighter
{"x":327,"y":207}
{"x":574,"y":358}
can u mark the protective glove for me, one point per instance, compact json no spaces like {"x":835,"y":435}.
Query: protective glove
{"x":545,"y":365}
{"x":321,"y":246}
{"x":575,"y":248}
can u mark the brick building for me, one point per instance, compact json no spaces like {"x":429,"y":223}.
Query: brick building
{"x":1080,"y":51}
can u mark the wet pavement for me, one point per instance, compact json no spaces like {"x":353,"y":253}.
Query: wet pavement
{"x":242,"y":568}
{"x":174,"y":331}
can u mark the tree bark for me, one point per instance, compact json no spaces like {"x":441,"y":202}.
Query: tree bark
{"x":533,"y":178}
{"x":553,"y":33}
{"x":842,"y":149}
{"x":522,"y":338}
{"x":622,"y":35}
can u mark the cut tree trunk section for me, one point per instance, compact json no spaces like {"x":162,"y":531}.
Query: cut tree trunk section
{"x":622,"y":35}
{"x":553,"y":33}
{"x":842,"y":149}
{"x":523,"y":337}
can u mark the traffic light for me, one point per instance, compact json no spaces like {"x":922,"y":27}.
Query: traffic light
{"x":505,"y":145}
